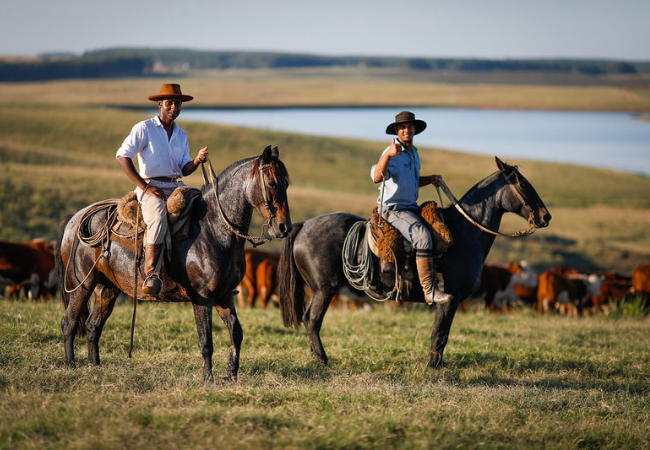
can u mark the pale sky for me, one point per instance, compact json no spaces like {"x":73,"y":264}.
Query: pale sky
{"x":495,"y":29}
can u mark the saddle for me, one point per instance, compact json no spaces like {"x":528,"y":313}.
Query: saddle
{"x":388,"y":244}
{"x":179,"y":207}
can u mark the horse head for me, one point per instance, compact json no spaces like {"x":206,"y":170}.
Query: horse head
{"x":268,"y":192}
{"x":522,"y":198}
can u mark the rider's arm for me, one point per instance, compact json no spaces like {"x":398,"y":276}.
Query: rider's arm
{"x":436,"y":180}
{"x":381,"y":167}
{"x":191,"y":166}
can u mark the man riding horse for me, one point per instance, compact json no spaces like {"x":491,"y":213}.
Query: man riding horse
{"x":398,"y":170}
{"x":163,"y":157}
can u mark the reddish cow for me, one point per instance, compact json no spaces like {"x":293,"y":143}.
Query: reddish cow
{"x":613,"y":287}
{"x":266,"y":278}
{"x":247,"y":284}
{"x":498,"y":283}
{"x":566,"y":290}
{"x":641,"y":280}
{"x":30,"y":265}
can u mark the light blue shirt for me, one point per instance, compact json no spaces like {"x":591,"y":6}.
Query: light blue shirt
{"x":402,"y":180}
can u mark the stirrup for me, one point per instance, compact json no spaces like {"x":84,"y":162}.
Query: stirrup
{"x":152,"y":285}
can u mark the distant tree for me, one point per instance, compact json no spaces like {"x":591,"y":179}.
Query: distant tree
{"x":625,"y":67}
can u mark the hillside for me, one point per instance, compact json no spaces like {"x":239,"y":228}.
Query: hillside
{"x":58,"y":156}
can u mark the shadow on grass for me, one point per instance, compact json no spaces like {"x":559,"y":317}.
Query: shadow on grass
{"x":552,"y":373}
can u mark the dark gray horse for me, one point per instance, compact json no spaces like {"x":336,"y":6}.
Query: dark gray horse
{"x":313,"y":254}
{"x":204,"y":268}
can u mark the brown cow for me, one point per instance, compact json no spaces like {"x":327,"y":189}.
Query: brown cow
{"x":641,"y":280}
{"x":249,"y":284}
{"x":498,"y":284}
{"x":29,"y":265}
{"x":266,"y":279}
{"x":613,"y":287}
{"x":566,"y":290}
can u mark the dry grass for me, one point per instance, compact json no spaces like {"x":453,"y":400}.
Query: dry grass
{"x":331,"y":87}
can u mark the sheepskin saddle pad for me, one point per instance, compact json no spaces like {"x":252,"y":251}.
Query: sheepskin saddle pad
{"x":389,"y":245}
{"x":179,"y":206}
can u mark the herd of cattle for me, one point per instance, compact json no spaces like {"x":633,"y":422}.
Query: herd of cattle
{"x":27,"y":270}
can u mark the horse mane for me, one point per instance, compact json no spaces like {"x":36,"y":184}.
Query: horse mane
{"x":277,"y":170}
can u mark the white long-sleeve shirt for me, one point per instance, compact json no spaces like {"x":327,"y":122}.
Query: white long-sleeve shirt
{"x":157,"y":155}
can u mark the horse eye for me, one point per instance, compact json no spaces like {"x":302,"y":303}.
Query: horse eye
{"x":273,"y":184}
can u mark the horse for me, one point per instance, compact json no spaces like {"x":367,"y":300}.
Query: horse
{"x":203,"y":269}
{"x":313,"y":254}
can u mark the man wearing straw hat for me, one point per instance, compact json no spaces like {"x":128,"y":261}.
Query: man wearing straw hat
{"x":399,"y":171}
{"x":163,"y":158}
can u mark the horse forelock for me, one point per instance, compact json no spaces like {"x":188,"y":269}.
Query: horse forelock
{"x":277,"y":170}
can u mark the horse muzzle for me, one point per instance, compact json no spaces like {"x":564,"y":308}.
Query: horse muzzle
{"x":280,"y":229}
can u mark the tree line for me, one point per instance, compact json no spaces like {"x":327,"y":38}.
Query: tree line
{"x":133,"y":62}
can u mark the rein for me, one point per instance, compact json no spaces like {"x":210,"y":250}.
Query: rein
{"x":254,"y":240}
{"x":517,"y":234}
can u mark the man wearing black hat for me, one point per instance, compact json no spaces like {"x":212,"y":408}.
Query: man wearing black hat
{"x":163,"y":157}
{"x":399,"y":170}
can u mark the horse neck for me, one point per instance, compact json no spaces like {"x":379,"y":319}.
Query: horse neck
{"x":484,"y":204}
{"x":230,"y":187}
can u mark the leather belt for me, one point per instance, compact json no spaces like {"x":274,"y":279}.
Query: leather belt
{"x":164,"y":179}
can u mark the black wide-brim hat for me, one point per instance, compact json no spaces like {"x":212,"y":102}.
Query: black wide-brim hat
{"x":406,"y":117}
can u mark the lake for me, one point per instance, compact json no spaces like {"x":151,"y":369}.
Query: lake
{"x":616,"y":141}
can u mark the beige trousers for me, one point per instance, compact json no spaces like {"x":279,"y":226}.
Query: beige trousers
{"x":154,"y":211}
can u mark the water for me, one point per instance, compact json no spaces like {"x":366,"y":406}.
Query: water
{"x":616,"y":141}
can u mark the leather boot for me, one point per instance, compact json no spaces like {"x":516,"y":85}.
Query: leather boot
{"x":152,"y":283}
{"x":429,"y":282}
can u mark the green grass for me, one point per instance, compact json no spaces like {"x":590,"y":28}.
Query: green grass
{"x":509,"y":381}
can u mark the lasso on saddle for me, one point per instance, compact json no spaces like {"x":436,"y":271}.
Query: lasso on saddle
{"x":388,"y":244}
{"x":120,"y":225}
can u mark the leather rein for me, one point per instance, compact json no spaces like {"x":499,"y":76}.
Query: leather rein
{"x":254,"y":240}
{"x":517,"y":234}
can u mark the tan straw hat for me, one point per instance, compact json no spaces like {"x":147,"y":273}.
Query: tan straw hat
{"x":406,"y":117}
{"x":171,"y":91}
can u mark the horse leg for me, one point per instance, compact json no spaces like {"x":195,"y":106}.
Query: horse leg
{"x":73,"y":321}
{"x":313,"y":320}
{"x":229,"y":318}
{"x":442,"y":326}
{"x":104,"y":302}
{"x":203,"y":319}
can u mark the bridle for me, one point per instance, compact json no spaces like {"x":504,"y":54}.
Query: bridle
{"x":264,"y":237}
{"x":531,"y":214}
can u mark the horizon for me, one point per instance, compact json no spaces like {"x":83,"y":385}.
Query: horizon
{"x":324,"y":55}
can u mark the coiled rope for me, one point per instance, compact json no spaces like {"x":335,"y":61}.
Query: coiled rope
{"x":94,"y":240}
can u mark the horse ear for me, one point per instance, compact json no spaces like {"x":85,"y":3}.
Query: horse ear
{"x":266,"y":155}
{"x":503,"y":167}
{"x":276,"y":152}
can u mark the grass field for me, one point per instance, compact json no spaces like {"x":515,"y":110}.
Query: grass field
{"x":509,"y":381}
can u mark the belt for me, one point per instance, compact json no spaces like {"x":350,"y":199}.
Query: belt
{"x":164,"y":179}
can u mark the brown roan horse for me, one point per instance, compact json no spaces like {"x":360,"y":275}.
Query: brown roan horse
{"x":204,"y":268}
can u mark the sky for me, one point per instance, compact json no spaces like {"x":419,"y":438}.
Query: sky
{"x":491,"y":29}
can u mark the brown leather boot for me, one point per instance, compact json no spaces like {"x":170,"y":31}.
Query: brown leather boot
{"x":429,"y":282}
{"x":152,"y":283}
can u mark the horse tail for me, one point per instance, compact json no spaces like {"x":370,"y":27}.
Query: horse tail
{"x":291,"y":288}
{"x":60,"y":266}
